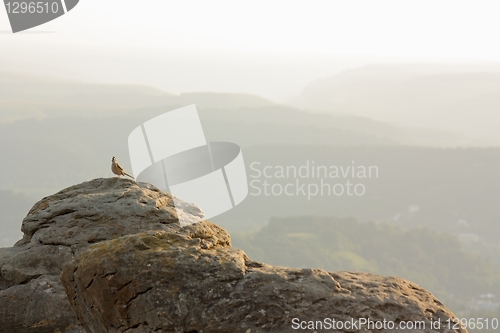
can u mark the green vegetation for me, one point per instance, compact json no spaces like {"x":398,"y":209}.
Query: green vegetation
{"x":454,"y":190}
{"x":433,"y":260}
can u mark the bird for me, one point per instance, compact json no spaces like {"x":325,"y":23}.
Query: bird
{"x":117,"y":169}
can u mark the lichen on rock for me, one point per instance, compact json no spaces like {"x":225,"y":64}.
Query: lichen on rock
{"x":110,"y":255}
{"x":59,"y":227}
{"x":179,"y":282}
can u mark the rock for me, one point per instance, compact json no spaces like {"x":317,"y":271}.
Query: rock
{"x":128,"y":266}
{"x":193,"y":281}
{"x":59,"y":227}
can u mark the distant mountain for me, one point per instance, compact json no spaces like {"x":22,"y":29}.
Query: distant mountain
{"x":282,"y":124}
{"x":428,"y":96}
{"x":24,"y":96}
{"x":13,"y":208}
{"x":83,"y":147}
{"x":15,"y":85}
{"x":416,"y":186}
{"x":74,"y":142}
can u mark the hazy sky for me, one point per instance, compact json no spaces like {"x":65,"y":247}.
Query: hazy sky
{"x":449,"y":29}
{"x":272,"y":48}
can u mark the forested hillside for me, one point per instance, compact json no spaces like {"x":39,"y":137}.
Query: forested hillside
{"x":435,"y":261}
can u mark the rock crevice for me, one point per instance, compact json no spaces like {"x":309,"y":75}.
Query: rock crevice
{"x":179,"y":286}
{"x":110,"y":255}
{"x":57,"y":229}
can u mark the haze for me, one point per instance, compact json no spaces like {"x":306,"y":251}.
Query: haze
{"x":410,"y":87}
{"x":272,"y":49}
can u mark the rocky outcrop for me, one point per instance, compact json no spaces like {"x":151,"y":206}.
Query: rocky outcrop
{"x":193,"y":281}
{"x":129,"y":266}
{"x":57,"y":229}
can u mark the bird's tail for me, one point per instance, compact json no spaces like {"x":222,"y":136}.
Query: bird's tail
{"x":126,"y":174}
